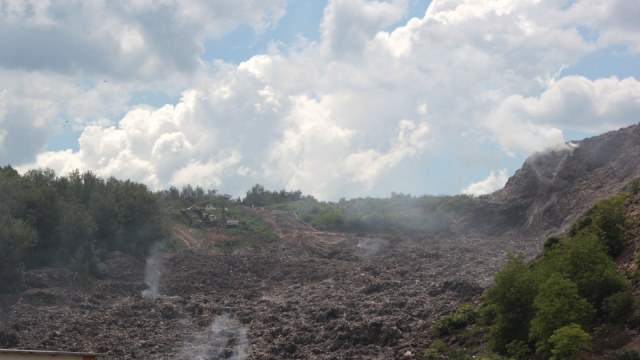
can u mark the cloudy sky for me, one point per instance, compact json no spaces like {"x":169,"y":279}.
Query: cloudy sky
{"x":338,"y":98}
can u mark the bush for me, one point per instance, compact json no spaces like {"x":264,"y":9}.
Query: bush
{"x":551,"y":242}
{"x":439,"y":350}
{"x":626,"y":354}
{"x":518,"y":350}
{"x":610,"y":217}
{"x":569,"y":342}
{"x":465,"y":315}
{"x":635,"y":186}
{"x":434,"y":350}
{"x":490,"y":356}
{"x":509,"y":302}
{"x":16,"y":237}
{"x":618,"y":307}
{"x":583,"y":259}
{"x":557,"y":305}
{"x":574,"y":281}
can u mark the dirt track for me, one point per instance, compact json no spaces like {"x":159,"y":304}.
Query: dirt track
{"x":309,"y":295}
{"x":184,"y":234}
{"x":292,"y":231}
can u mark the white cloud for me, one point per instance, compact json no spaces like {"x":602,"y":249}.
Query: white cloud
{"x":367,"y":165}
{"x":208,"y":174}
{"x":334,"y":117}
{"x":349,"y":24}
{"x":401,"y":40}
{"x":609,"y":22}
{"x":309,"y":153}
{"x":128,"y":40}
{"x":156,"y":146}
{"x":491,"y":183}
{"x":455,"y":11}
{"x":533,"y":123}
{"x":29,"y":105}
{"x":63,"y":162}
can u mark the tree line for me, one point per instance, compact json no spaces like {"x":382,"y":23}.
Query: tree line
{"x":399,"y":213}
{"x":72,"y":221}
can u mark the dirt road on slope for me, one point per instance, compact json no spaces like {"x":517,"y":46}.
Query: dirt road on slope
{"x":293,"y":231}
{"x":184,"y":234}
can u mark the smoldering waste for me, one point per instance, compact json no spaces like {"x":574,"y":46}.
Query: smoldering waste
{"x":308,"y":295}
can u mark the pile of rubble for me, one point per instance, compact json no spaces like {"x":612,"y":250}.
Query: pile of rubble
{"x":308,"y":295}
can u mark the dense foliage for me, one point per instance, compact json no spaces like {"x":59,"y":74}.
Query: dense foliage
{"x":258,"y":196}
{"x":398,"y":213}
{"x":175,"y":198}
{"x":547,"y":307}
{"x":72,"y":221}
{"x":572,"y":286}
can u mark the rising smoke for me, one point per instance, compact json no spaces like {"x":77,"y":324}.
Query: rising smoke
{"x":368,"y":247}
{"x":546,"y":166}
{"x":225,"y":339}
{"x":153,"y":272}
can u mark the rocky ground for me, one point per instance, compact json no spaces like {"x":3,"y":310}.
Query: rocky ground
{"x":307,"y":295}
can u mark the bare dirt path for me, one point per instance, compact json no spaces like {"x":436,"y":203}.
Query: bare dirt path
{"x":184,"y":234}
{"x":292,"y":230}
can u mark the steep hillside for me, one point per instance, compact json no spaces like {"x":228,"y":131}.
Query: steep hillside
{"x":553,"y":188}
{"x":583,"y":285}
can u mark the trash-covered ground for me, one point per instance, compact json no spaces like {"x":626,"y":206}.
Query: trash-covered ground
{"x":308,"y":295}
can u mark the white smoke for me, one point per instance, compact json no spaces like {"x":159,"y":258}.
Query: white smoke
{"x":153,"y":271}
{"x":368,"y":247}
{"x":227,"y":339}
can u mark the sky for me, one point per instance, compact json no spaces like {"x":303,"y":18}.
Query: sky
{"x":337,"y":98}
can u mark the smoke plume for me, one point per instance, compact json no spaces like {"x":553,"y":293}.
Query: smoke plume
{"x":368,"y":247}
{"x":227,"y":339}
{"x":153,"y":272}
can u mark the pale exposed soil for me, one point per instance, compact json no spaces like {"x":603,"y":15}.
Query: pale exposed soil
{"x":184,"y":234}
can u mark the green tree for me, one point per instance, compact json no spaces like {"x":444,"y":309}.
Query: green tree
{"x":466,"y":314}
{"x":140,"y":219}
{"x":62,"y":221}
{"x":569,"y":342}
{"x":16,"y":236}
{"x":626,"y":354}
{"x":610,"y":219}
{"x":618,"y":308}
{"x":42,"y":213}
{"x":76,"y":231}
{"x":583,"y":259}
{"x":557,"y":304}
{"x":511,"y":298}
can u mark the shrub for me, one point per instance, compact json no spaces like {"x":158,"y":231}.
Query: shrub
{"x":558,"y":305}
{"x":618,"y":307}
{"x":626,"y":354}
{"x":518,"y":350}
{"x":510,"y":304}
{"x":610,"y":217}
{"x":635,"y":186}
{"x":465,"y":315}
{"x":569,"y":342}
{"x":434,"y":350}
